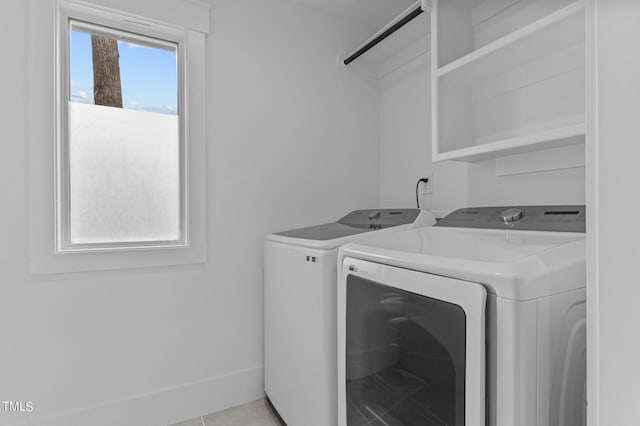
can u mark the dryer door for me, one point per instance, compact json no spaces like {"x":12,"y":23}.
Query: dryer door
{"x":411,"y":347}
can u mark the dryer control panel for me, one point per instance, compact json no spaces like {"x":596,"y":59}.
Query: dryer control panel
{"x":524,"y":218}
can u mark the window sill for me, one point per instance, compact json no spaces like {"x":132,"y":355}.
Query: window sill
{"x":50,"y":263}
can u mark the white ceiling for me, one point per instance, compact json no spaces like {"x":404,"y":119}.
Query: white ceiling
{"x":374,"y":13}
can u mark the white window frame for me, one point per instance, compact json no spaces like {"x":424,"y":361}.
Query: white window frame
{"x":50,"y":251}
{"x":124,"y":27}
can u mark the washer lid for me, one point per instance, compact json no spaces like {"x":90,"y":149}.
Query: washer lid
{"x":351,"y":227}
{"x":520,"y":265}
{"x":328,"y":231}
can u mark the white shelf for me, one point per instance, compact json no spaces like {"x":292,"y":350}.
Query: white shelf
{"x":416,"y":29}
{"x":521,"y":93}
{"x":568,"y":135}
{"x":551,"y":34}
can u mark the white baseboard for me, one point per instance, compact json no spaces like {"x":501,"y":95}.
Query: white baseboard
{"x":166,"y":406}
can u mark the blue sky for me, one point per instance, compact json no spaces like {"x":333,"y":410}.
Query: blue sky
{"x":148,"y":75}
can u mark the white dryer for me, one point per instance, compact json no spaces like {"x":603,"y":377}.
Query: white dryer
{"x":480,"y":318}
{"x":300,"y":278}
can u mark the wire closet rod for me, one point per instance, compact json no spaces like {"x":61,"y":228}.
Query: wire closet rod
{"x":392,"y":29}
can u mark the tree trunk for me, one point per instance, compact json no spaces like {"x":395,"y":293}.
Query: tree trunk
{"x":106,"y":71}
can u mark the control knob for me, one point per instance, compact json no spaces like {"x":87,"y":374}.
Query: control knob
{"x":511,"y":215}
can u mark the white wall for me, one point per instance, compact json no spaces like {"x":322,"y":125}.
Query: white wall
{"x":614,"y":317}
{"x":292,"y":141}
{"x":405,"y":148}
{"x":564,"y":186}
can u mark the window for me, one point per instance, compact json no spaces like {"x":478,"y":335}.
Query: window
{"x":129,"y":101}
{"x":121,"y":149}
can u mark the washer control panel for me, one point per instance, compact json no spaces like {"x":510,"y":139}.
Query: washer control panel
{"x":525,"y":218}
{"x":380,"y":218}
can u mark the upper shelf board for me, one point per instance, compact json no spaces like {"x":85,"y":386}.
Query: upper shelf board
{"x":547,"y":36}
{"x":569,"y":135}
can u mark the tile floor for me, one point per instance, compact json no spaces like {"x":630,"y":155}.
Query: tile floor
{"x":256,"y":413}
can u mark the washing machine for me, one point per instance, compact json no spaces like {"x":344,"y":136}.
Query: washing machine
{"x":478,"y":320}
{"x":300,"y":277}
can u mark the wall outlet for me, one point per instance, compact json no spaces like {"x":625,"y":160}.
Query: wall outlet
{"x":427,"y":187}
